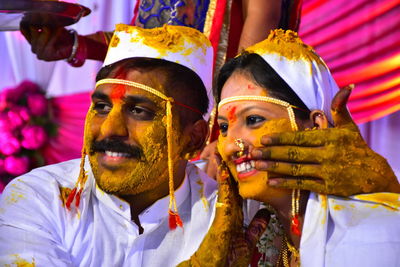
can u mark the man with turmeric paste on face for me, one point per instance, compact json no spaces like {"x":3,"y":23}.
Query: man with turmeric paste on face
{"x":132,"y":200}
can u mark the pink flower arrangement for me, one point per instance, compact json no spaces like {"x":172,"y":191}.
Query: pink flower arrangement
{"x":37,"y":104}
{"x":25,"y":127}
{"x":16,"y":165}
{"x":33,"y":137}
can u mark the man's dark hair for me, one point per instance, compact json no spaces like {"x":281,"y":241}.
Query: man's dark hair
{"x":258,"y":70}
{"x":183,"y":84}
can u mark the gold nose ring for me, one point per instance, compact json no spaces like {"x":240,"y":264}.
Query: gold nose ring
{"x":240,"y":143}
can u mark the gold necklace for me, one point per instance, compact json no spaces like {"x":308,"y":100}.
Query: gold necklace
{"x":286,"y":247}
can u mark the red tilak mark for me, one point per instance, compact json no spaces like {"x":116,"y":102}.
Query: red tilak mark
{"x":174,"y":220}
{"x":250,"y":87}
{"x":231,"y":114}
{"x":295,"y":225}
{"x":70,"y":198}
{"x":118,"y":92}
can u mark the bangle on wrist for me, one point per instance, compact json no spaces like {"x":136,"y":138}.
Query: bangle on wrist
{"x":79,"y":52}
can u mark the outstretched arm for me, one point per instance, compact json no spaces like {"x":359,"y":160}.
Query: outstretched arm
{"x":228,"y":219}
{"x":55,"y":43}
{"x":226,"y":244}
{"x":259,"y":18}
{"x":333,"y":161}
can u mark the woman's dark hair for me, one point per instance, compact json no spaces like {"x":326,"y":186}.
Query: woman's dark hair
{"x":181,"y":82}
{"x":257,"y":69}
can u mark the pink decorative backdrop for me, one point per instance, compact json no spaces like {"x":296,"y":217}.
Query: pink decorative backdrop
{"x":69,"y":114}
{"x":360,"y":42}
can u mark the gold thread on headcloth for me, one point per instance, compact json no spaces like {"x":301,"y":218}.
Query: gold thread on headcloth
{"x":134,"y":84}
{"x":174,"y":218}
{"x":288,"y":107}
{"x":146,"y":88}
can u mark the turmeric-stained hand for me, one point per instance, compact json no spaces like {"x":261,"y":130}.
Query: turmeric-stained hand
{"x":228,"y":221}
{"x":333,"y":161}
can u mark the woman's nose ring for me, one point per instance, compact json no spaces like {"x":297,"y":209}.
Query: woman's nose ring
{"x":240,"y":143}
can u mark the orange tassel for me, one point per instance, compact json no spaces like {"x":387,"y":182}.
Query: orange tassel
{"x":78,"y":198}
{"x":174,"y":220}
{"x":70,"y":198}
{"x":295,"y":225}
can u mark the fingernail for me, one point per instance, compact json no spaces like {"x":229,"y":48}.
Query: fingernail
{"x":351,"y":86}
{"x":256,"y":153}
{"x":261,"y":165}
{"x":266,"y":140}
{"x":272,"y":182}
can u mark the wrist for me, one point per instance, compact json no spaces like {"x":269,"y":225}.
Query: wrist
{"x":78,"y":52}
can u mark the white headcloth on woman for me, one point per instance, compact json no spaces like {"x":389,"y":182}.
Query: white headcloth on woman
{"x":300,"y":67}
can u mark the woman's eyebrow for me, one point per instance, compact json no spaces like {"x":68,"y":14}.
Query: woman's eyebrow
{"x":242,"y":111}
{"x":221,"y":118}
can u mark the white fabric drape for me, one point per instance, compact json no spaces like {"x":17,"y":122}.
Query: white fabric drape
{"x":382,"y":135}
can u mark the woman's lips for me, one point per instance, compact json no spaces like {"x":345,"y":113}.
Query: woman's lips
{"x":245,"y":167}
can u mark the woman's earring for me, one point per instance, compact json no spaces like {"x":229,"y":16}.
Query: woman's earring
{"x":240,"y":143}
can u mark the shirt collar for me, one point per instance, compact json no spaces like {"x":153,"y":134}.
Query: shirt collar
{"x":159,"y":209}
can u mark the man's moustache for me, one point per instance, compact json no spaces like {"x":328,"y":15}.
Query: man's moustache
{"x":116,"y":145}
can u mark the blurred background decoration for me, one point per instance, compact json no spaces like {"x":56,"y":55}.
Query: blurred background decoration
{"x":25,"y":128}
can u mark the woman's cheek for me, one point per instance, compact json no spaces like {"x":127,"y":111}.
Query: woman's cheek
{"x":270,"y":127}
{"x":221,"y":144}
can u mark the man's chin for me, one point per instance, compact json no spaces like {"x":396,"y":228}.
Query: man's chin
{"x":113,"y":188}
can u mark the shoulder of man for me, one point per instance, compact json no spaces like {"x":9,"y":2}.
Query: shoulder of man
{"x":39,"y":189}
{"x":205,"y":185}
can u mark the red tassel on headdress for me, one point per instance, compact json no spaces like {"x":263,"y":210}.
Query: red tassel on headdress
{"x":174,"y":220}
{"x":70,"y":198}
{"x":78,"y":198}
{"x":73,"y":195}
{"x":295,"y":225}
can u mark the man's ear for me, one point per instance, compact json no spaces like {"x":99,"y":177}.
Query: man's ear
{"x":198,"y":133}
{"x":319,"y":119}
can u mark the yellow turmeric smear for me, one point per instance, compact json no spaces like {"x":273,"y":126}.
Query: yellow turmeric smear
{"x":114,"y":41}
{"x":286,"y":44}
{"x":14,"y":197}
{"x":324,"y":204}
{"x":338,"y":207}
{"x":64,"y":193}
{"x":271,"y":127}
{"x":201,"y":193}
{"x":20,"y":262}
{"x":387,"y":200}
{"x":255,"y":187}
{"x":174,"y":39}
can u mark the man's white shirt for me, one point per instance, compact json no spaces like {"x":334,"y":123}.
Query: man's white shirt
{"x":35,"y":226}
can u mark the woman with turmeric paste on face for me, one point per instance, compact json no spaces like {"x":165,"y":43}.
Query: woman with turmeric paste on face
{"x":281,"y":85}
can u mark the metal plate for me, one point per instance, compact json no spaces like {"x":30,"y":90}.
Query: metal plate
{"x":39,"y":13}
